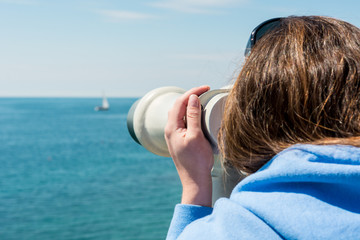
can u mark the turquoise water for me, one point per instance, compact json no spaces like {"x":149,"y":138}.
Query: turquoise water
{"x":68,"y":172}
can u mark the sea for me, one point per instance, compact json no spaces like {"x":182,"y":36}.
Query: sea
{"x":69,"y":172}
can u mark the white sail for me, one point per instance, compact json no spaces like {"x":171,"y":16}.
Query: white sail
{"x":105,"y":103}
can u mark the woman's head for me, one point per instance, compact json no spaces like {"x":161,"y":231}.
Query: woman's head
{"x":300,"y":84}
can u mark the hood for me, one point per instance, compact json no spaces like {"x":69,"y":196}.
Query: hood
{"x":306,"y":191}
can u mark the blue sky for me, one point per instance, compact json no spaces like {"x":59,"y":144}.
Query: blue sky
{"x":126,"y":48}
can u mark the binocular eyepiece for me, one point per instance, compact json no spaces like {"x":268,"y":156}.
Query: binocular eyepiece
{"x":147,"y":117}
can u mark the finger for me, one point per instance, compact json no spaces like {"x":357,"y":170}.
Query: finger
{"x":193,"y":114}
{"x":178,"y":111}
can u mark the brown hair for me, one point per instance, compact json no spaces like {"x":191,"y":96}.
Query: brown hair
{"x":300,"y":84}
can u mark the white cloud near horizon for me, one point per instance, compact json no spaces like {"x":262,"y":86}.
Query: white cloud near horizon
{"x":196,"y":6}
{"x":118,"y":15}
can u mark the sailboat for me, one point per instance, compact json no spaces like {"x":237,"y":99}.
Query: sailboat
{"x":105,"y":105}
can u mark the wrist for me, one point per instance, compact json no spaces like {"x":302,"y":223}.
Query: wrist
{"x":198,"y":194}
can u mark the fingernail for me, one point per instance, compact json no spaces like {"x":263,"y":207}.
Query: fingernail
{"x":193,"y":101}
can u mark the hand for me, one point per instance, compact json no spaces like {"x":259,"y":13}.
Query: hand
{"x":189,"y":149}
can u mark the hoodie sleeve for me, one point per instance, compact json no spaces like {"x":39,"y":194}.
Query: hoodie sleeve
{"x":184,"y":214}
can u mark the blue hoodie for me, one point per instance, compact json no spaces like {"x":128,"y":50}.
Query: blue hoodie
{"x":304,"y":192}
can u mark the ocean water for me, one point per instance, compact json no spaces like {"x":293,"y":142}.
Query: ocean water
{"x":68,"y":172}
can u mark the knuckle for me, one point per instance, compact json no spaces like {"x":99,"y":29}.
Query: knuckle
{"x":193,"y":112}
{"x":192,"y":116}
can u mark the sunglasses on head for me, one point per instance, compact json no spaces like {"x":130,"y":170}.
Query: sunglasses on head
{"x":259,"y":32}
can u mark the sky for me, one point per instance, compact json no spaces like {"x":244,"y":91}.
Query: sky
{"x":84,"y":48}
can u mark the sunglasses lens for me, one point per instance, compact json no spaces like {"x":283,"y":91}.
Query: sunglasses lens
{"x":264,"y":29}
{"x":259,"y":32}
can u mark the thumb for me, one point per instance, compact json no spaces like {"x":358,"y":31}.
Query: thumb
{"x":193,"y":113}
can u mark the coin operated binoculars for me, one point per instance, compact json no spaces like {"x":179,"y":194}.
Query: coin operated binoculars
{"x":147,"y":118}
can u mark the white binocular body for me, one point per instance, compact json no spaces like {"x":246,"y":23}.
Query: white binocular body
{"x":147,"y":118}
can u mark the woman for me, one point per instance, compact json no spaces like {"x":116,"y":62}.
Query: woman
{"x":292,"y":121}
